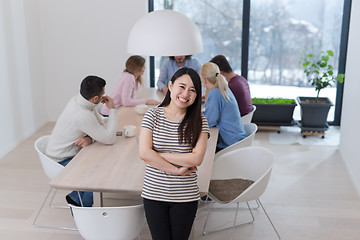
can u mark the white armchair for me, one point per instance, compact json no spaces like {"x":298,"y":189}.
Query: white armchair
{"x":240,"y":175}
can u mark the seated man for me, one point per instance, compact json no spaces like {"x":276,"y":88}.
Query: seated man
{"x":79,"y":125}
{"x":171,"y":65}
{"x":237,"y":84}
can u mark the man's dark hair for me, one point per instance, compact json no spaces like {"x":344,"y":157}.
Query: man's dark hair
{"x":92,"y":86}
{"x":186,"y":57}
{"x":222,"y":62}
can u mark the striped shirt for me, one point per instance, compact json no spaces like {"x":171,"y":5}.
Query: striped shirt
{"x":159,"y":185}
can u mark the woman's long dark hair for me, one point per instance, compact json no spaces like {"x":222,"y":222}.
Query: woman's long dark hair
{"x":190,"y":127}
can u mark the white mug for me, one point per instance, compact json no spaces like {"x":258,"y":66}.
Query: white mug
{"x":129,"y":130}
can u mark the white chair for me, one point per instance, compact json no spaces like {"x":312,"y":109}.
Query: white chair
{"x":232,"y":174}
{"x":51,"y":169}
{"x":248,"y":117}
{"x":251,"y":129}
{"x":109,"y":223}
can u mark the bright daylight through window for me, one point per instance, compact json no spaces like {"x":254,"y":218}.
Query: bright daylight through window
{"x":279,"y":31}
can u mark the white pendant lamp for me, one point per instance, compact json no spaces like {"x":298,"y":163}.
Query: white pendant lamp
{"x":164,"y":33}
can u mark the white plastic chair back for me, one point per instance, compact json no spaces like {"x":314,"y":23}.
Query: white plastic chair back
{"x":109,"y":223}
{"x":248,"y":117}
{"x":252,"y":163}
{"x":251,"y":129}
{"x":50,"y":167}
{"x":248,"y":163}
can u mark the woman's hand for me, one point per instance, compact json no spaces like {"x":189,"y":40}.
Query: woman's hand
{"x":191,"y":159}
{"x":186,"y":170}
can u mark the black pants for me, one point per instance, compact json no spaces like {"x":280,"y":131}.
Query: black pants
{"x":169,"y":220}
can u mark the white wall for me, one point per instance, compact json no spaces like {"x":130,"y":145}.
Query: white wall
{"x":22,"y":93}
{"x":47,"y":47}
{"x":80,"y":38}
{"x":350,"y":130}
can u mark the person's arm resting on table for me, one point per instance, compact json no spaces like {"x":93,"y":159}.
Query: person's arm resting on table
{"x":84,"y":141}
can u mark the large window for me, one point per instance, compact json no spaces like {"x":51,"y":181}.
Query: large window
{"x":220,"y":25}
{"x":278,"y":31}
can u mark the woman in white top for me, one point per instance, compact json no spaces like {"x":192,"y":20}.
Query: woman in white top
{"x":125,"y":91}
{"x":173,"y":141}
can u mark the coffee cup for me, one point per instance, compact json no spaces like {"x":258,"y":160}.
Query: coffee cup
{"x":129,"y":130}
{"x":141,"y":109}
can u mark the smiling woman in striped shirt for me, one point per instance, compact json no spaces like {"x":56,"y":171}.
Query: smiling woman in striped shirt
{"x":173,"y":142}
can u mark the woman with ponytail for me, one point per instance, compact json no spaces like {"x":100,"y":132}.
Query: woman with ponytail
{"x":221,"y":108}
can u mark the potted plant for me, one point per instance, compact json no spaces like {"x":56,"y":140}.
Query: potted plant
{"x":320,"y":73}
{"x":273,"y":111}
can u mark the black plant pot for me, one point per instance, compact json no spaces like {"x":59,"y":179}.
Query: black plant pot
{"x":314,"y":114}
{"x":274,"y":114}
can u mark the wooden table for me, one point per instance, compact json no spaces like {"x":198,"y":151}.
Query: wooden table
{"x":117,"y":167}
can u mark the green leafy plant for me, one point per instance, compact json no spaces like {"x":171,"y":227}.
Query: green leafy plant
{"x":318,"y":70}
{"x":273,"y":101}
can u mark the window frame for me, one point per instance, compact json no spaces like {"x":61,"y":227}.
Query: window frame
{"x":245,"y":52}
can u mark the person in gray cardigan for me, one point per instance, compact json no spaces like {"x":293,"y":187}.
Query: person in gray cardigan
{"x":79,"y":125}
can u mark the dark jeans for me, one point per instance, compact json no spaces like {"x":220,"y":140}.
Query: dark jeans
{"x":218,"y":149}
{"x":86,"y":197}
{"x":169,"y":220}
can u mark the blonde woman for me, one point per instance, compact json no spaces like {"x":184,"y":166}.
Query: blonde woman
{"x":126,"y":88}
{"x":221,"y":108}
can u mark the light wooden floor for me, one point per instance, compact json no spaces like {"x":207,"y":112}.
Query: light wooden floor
{"x":310,"y":196}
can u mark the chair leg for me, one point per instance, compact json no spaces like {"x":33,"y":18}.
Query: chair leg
{"x":231,"y":208}
{"x":81,"y":203}
{"x":257,"y":205}
{"x":44,"y":226}
{"x":234,"y":223}
{"x":42,"y":205}
{"x":53,"y":206}
{"x":207,"y":217}
{"x":237,"y":208}
{"x":252,"y":215}
{"x":258,"y":200}
{"x":206,"y":201}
